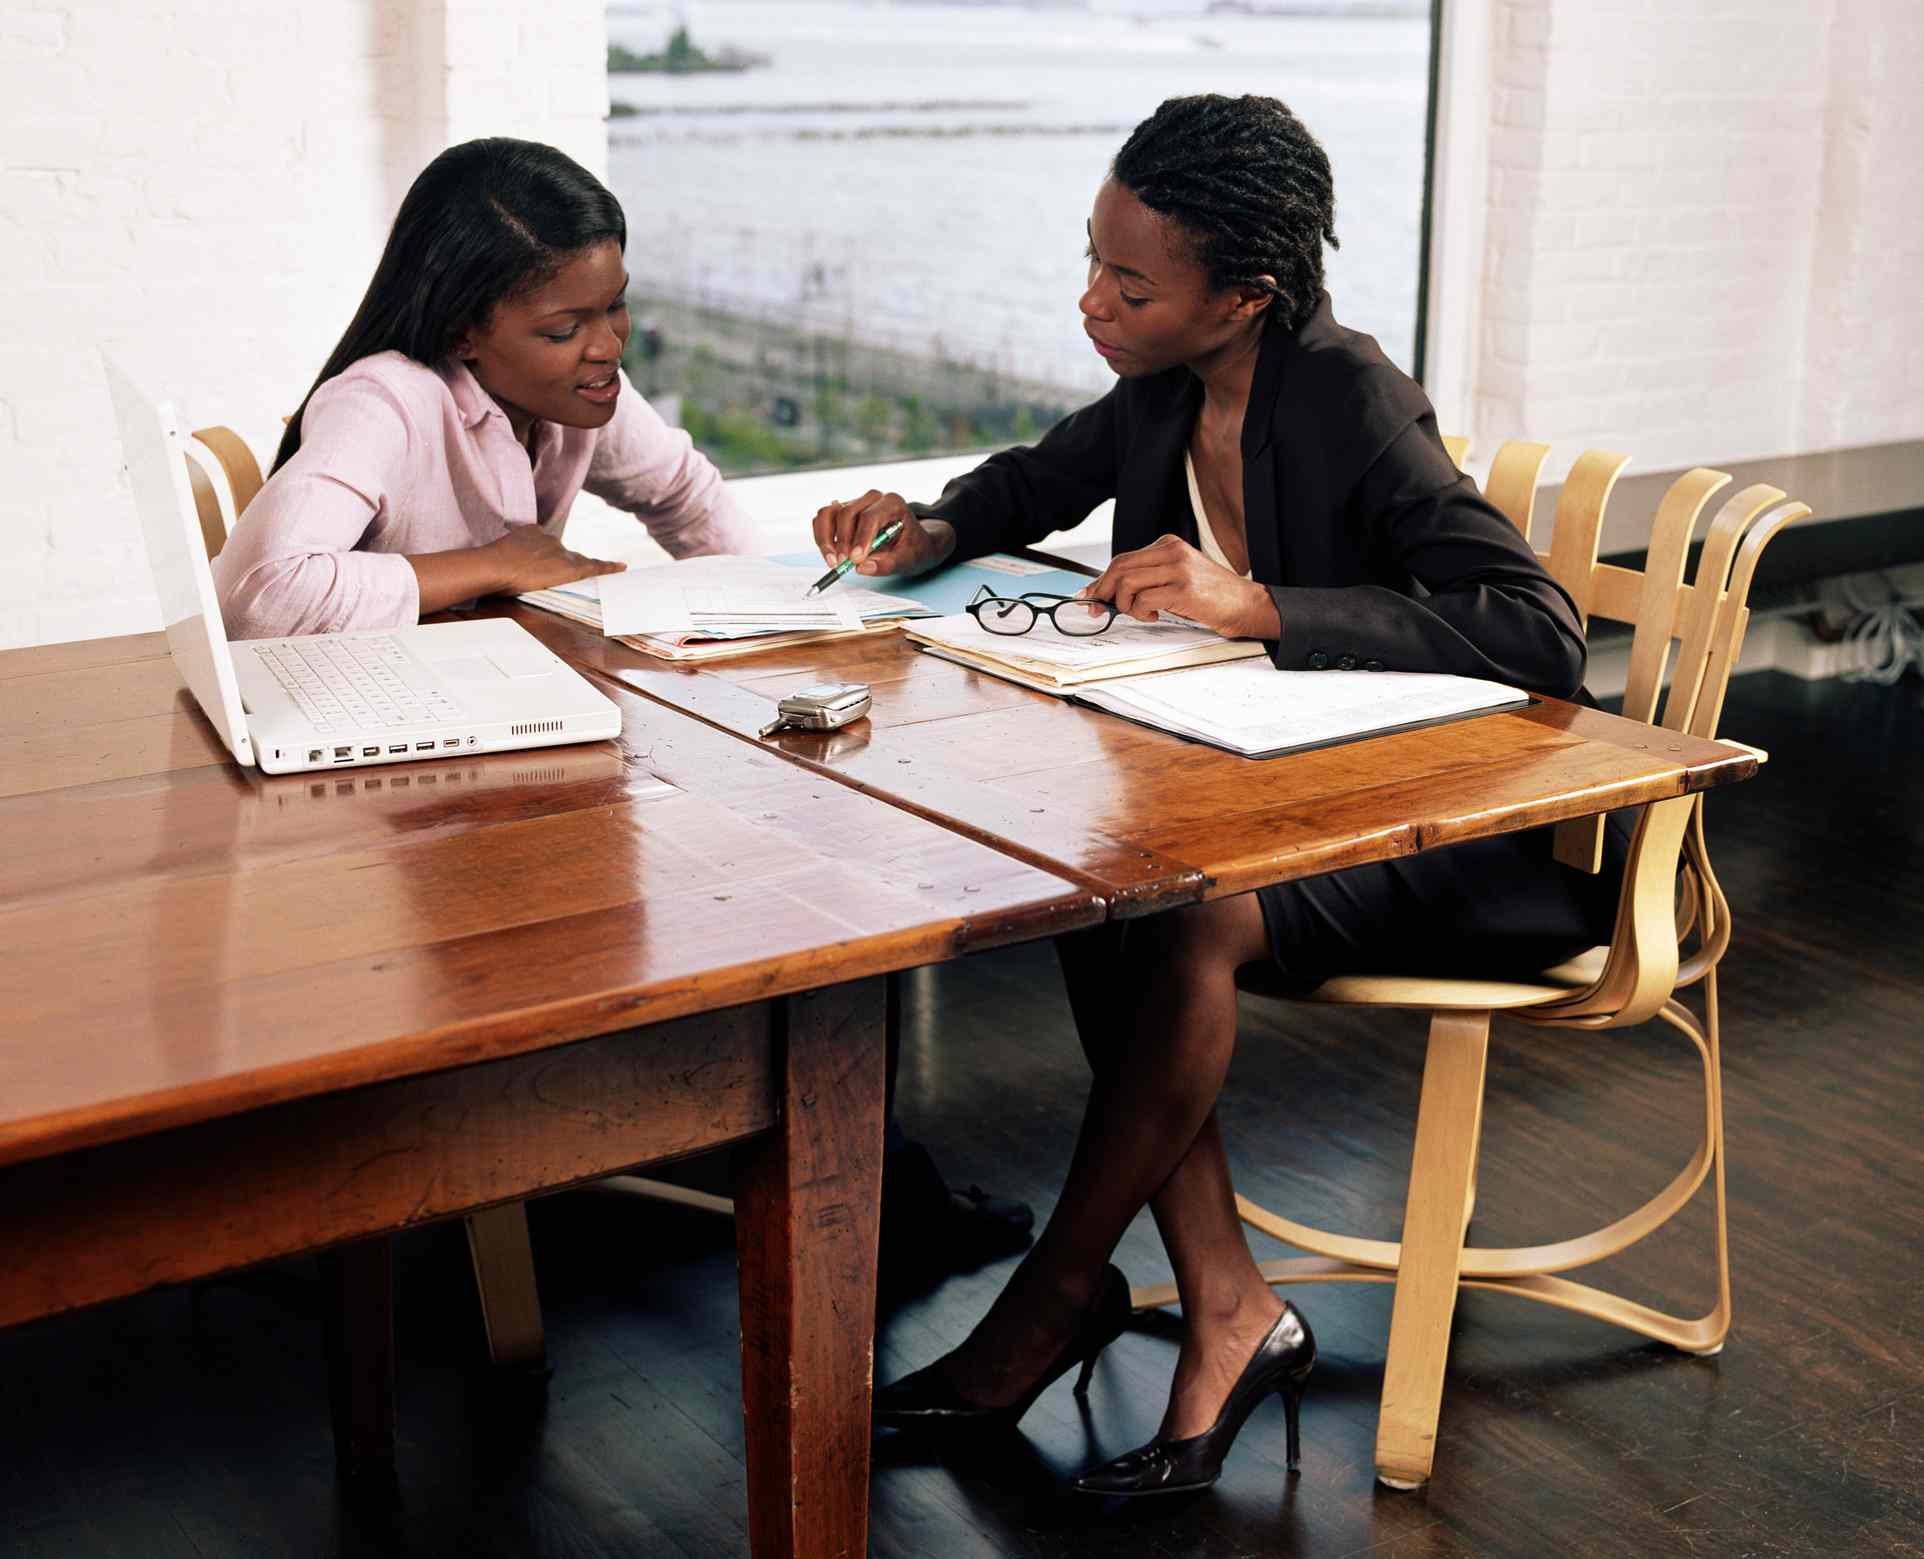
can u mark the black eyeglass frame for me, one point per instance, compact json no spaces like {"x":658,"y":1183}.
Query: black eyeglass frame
{"x":1030,"y":598}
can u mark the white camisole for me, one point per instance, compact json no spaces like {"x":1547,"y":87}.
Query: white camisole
{"x":1211,"y":548}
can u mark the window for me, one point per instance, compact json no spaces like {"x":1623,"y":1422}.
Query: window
{"x":856,"y":228}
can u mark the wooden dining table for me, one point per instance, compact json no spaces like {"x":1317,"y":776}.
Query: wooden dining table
{"x":250,"y":1016}
{"x":246,"y":1016}
{"x":1149,"y":820}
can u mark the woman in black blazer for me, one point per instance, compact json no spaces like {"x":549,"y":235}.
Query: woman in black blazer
{"x":1341,"y":535}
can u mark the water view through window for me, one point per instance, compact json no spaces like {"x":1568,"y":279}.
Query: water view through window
{"x":856,"y":226}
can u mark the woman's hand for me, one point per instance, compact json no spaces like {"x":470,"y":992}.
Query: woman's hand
{"x":845,"y":530}
{"x":528,"y":558}
{"x":1169,"y":575}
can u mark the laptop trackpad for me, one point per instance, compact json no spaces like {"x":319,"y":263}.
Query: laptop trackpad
{"x":518,"y":660}
{"x":468,"y":668}
{"x":506,"y":661}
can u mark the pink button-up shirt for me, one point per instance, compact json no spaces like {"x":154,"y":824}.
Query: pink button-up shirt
{"x":397,"y":457}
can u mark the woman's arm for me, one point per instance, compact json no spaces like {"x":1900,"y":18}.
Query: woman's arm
{"x":1487,"y":608}
{"x":525,"y":558}
{"x":1019,"y":496}
{"x":293,"y":566}
{"x":1484,"y":607}
{"x":1013,"y":499}
{"x":653,"y":471}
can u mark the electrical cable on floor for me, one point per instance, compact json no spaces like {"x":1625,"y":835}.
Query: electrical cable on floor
{"x":1881,"y":636}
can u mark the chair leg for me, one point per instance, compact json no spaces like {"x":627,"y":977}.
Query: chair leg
{"x":1442,"y":1168}
{"x":1719,"y":1318}
{"x":504,"y":1276}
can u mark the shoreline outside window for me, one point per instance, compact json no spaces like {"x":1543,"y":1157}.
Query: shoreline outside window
{"x":856,"y":229}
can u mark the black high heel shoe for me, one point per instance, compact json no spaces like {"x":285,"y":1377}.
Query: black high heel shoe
{"x":925,"y":1400}
{"x":1280,"y":1364}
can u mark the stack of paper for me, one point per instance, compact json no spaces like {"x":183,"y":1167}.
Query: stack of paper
{"x":709,"y":607}
{"x":1053,"y":661}
{"x":1252,"y":708}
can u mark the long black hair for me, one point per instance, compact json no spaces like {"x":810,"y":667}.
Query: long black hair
{"x":1249,"y":185}
{"x":485,"y":221}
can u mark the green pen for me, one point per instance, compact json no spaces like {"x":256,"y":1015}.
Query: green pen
{"x":883,"y":537}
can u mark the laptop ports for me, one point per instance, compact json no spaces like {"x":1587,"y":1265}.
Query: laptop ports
{"x":370,"y":752}
{"x":314,"y":755}
{"x":452,"y":741}
{"x":402,"y":748}
{"x":424,"y":746}
{"x":343,"y":752}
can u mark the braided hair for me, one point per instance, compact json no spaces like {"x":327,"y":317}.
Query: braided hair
{"x":1249,"y":186}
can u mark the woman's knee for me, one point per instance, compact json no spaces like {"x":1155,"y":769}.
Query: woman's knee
{"x":1200,"y":942}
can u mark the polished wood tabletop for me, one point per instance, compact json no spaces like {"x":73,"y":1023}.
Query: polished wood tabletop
{"x":213,"y":967}
{"x":245,"y":1016}
{"x":205,"y":938}
{"x":1145,"y":818}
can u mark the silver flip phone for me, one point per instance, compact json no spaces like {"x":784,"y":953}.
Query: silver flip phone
{"x":821,"y":708}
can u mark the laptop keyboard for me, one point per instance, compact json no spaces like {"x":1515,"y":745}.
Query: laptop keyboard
{"x":357,"y":682}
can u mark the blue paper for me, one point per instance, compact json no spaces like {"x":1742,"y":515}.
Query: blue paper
{"x":948,"y":590}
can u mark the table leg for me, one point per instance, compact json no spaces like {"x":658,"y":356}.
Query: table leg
{"x":359,"y":1285}
{"x":808,"y":1202}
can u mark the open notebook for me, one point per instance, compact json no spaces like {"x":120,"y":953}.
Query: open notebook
{"x":1055,"y":662}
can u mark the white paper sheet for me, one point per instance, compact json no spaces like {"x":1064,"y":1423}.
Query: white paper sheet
{"x":1250,"y":706}
{"x":726,"y":597}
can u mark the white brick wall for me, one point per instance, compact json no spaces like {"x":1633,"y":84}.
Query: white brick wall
{"x":1702,"y":228}
{"x":202,"y":187}
{"x":1861,"y":381}
{"x":1694,"y":232}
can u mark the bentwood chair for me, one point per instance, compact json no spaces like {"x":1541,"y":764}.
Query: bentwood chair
{"x":225,"y":476}
{"x":1673,"y":925}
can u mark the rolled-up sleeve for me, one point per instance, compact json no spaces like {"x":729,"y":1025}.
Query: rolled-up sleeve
{"x":655,"y":473}
{"x":290,"y":566}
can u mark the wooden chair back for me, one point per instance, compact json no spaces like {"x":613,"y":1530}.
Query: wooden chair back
{"x":224,"y":476}
{"x":1694,"y":631}
{"x":1705,"y":618}
{"x":1512,"y":485}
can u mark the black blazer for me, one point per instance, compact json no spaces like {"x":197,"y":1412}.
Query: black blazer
{"x":1378,"y":551}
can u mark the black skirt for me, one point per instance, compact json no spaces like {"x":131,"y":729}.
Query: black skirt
{"x":1499,"y":908}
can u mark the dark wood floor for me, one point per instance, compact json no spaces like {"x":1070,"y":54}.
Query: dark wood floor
{"x":195,"y":1424}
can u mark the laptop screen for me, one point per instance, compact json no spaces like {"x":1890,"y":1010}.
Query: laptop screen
{"x":152,"y":449}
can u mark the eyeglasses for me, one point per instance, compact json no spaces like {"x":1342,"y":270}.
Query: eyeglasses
{"x":1018,"y":614}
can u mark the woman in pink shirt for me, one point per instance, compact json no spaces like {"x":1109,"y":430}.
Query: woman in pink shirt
{"x":476,"y":392}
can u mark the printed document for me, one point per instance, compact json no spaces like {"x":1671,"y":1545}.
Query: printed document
{"x":721,"y":597}
{"x":1250,"y":707}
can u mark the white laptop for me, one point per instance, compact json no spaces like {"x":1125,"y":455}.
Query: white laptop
{"x":338,"y":700}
